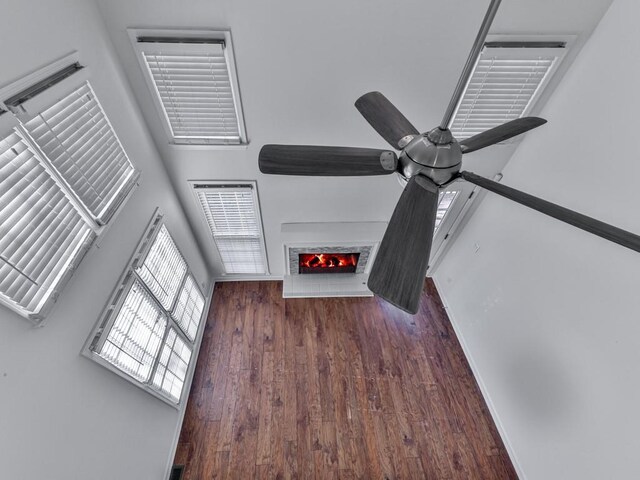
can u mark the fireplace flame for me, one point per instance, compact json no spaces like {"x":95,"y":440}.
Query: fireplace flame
{"x":329,"y":260}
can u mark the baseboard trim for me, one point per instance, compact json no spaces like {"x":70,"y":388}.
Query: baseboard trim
{"x":483,"y":389}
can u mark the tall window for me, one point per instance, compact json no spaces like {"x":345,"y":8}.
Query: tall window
{"x":233,"y":214}
{"x":192,"y":77}
{"x":149,"y":329}
{"x":63,"y":174}
{"x":505,"y":84}
{"x":77,"y":138}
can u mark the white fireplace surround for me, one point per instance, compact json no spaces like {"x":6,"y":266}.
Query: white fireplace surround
{"x":337,"y":237}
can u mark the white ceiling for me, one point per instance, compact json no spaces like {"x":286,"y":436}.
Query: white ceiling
{"x":301,"y":66}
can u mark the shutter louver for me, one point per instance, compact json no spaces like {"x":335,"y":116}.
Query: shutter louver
{"x":78,"y":140}
{"x":195,"y":90}
{"x":163,"y":269}
{"x":188,"y":309}
{"x":233,"y":217}
{"x":502,"y":87}
{"x":134,"y":339}
{"x":42,"y":236}
{"x":172,"y":367}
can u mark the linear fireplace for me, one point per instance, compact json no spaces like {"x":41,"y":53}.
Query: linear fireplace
{"x":331,"y":240}
{"x":330,"y":262}
{"x":344,"y":258}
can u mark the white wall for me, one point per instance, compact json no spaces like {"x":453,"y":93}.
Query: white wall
{"x":548,"y":313}
{"x":302,"y":65}
{"x":62,"y":416}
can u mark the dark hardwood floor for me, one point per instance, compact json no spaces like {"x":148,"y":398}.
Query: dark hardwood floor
{"x":334,"y":388}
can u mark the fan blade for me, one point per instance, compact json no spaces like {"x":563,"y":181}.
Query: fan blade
{"x":500,"y":133}
{"x":401,"y":263}
{"x":325,"y":161}
{"x":385,"y":118}
{"x":591,"y":225}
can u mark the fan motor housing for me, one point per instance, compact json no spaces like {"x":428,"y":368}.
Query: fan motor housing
{"x":435,"y":154}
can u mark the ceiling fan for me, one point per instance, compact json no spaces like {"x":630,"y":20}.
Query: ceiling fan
{"x":428,"y":161}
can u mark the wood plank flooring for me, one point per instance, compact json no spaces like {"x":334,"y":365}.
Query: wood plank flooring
{"x":335,"y":388}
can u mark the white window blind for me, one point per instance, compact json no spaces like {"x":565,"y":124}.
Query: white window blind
{"x":133,"y":341}
{"x":163,"y":269}
{"x":195,"y":89}
{"x":188,"y":309}
{"x":76,"y":137}
{"x":241,"y":255}
{"x":504,"y":86}
{"x":172,"y":367}
{"x":42,"y":236}
{"x":233,"y":216}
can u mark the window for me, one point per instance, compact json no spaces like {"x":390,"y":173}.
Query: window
{"x":189,"y":303}
{"x":163,"y":269}
{"x":193,"y":79}
{"x":134,"y":339}
{"x":173,"y":365}
{"x":447,"y":198}
{"x":233,"y":214}
{"x":63,"y":174}
{"x":42,"y":236}
{"x":506,"y":82}
{"x":75,"y":135}
{"x":149,"y":328}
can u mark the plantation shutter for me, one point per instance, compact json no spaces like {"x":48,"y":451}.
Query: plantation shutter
{"x":42,"y":236}
{"x":504,"y":85}
{"x":234,"y":219}
{"x":77,"y":138}
{"x":194,"y":87}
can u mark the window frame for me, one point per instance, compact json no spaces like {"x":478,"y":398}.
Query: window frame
{"x":106,"y":319}
{"x":222,"y":35}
